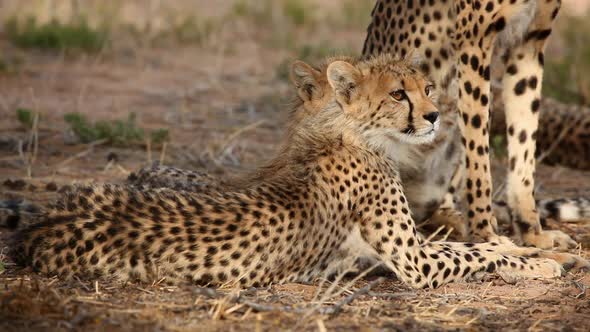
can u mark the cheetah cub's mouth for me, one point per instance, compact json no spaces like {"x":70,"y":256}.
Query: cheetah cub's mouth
{"x":418,"y":136}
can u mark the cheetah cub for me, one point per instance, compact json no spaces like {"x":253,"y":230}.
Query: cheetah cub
{"x":329,"y":189}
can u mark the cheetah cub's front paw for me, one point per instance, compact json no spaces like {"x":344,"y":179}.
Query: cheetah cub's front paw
{"x":569,"y":262}
{"x":549,"y":240}
{"x":507,"y":247}
{"x":537,"y":268}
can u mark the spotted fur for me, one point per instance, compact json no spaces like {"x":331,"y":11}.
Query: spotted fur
{"x":563,"y":137}
{"x":331,"y":188}
{"x":459,"y":39}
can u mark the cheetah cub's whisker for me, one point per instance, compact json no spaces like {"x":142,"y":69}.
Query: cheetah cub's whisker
{"x":330,"y":189}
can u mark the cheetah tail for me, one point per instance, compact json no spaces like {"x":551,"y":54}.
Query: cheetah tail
{"x":18,"y":213}
{"x":565,"y":209}
{"x":561,"y":209}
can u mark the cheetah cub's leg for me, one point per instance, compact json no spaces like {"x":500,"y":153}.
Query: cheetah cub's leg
{"x":521,"y":96}
{"x":392,"y":234}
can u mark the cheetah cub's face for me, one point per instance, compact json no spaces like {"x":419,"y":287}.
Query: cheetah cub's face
{"x":387,"y":98}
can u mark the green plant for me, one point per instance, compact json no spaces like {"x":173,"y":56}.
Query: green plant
{"x":354,"y":14}
{"x":566,"y":76}
{"x":10,"y":64}
{"x":117,"y":132}
{"x":54,"y":35}
{"x":310,"y":53}
{"x":260,"y":11}
{"x":192,"y":30}
{"x":498,"y":145}
{"x":298,"y":12}
{"x":159,"y":136}
{"x":188,"y":30}
{"x":25,"y":117}
{"x":278,"y":20}
{"x":240,"y":8}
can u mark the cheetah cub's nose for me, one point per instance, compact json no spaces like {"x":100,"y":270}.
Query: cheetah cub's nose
{"x":431,"y":117}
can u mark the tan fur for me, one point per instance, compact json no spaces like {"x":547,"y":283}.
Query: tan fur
{"x":334,"y":191}
{"x":458,"y":39}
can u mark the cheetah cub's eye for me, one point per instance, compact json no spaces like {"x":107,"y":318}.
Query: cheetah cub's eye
{"x":428,"y":89}
{"x":397,"y":95}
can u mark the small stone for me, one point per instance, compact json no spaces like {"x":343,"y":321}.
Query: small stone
{"x":51,"y":186}
{"x":112,"y":156}
{"x":18,"y":184}
{"x":64,"y":189}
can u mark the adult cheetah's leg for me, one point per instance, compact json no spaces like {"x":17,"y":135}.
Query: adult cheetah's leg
{"x":473,"y":46}
{"x":447,"y":213}
{"x":521,"y":96}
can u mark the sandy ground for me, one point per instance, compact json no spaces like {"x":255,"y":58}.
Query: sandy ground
{"x":225,"y":110}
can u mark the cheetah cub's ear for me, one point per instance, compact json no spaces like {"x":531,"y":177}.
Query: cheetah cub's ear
{"x":344,"y":78}
{"x":306,"y":80}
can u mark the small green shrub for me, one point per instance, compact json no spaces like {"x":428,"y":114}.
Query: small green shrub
{"x":77,"y":35}
{"x":566,"y":77}
{"x":192,"y":30}
{"x":10,"y":64}
{"x":355,"y":14}
{"x":298,"y":12}
{"x":257,"y":11}
{"x":159,"y":136}
{"x":240,"y":8}
{"x":499,"y":146}
{"x":25,"y":117}
{"x":117,"y":132}
{"x":279,"y":20}
{"x":310,"y":53}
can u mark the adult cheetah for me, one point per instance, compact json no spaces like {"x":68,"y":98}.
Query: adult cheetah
{"x":459,"y":39}
{"x":329,"y":189}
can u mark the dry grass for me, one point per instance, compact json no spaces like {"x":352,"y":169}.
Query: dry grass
{"x":225,"y":105}
{"x":32,"y":303}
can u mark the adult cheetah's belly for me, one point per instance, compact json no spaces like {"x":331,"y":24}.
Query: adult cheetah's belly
{"x":426,"y":186}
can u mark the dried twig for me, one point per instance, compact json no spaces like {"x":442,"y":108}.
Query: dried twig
{"x":499,"y":190}
{"x":237,"y":133}
{"x":163,"y":153}
{"x":29,"y":155}
{"x":391,"y":296}
{"x":337,"y":308}
{"x":555,"y":143}
{"x":148,"y":148}
{"x":431,"y":236}
{"x":331,"y":310}
{"x":81,"y":153}
{"x":581,"y":287}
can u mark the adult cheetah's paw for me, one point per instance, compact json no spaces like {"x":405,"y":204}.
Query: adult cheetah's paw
{"x":451,"y":218}
{"x":549,"y":240}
